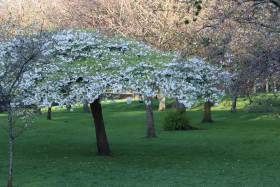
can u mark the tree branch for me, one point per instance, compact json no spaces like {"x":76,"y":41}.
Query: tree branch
{"x":275,"y":2}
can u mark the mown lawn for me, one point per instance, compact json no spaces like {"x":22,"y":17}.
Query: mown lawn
{"x":239,"y":149}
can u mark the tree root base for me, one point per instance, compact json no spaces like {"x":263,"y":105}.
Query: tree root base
{"x":207,"y":121}
{"x":109,"y":154}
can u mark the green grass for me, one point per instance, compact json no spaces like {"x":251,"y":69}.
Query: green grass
{"x":239,"y":149}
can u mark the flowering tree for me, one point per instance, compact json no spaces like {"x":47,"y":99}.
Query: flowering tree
{"x":145,"y":76}
{"x":86,"y":66}
{"x":20,"y":56}
{"x":183,"y":79}
{"x":193,"y":78}
{"x":213,"y":80}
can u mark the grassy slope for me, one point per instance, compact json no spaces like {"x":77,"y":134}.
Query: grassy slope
{"x":239,"y":149}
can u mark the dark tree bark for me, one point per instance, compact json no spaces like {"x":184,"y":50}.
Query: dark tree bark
{"x":68,"y":107}
{"x":11,"y":150}
{"x":180,"y":106}
{"x":248,"y":94}
{"x":275,"y":86}
{"x":140,"y":98}
{"x":101,"y":138}
{"x":233,"y":106}
{"x":49,"y":114}
{"x":39,"y":111}
{"x":162,"y":105}
{"x":150,"y":120}
{"x":207,"y":113}
{"x":85,"y":107}
{"x":254,"y":89}
{"x":266,"y":87}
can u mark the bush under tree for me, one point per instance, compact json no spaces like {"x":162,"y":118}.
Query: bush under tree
{"x":175,"y":120}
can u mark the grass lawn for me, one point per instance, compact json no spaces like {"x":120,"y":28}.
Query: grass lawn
{"x":239,"y":149}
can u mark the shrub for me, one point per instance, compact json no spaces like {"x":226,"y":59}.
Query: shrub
{"x":176,"y":120}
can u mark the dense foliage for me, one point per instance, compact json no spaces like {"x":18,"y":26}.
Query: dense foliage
{"x":175,"y":120}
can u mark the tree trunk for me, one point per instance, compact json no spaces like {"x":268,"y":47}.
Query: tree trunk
{"x":49,"y":113}
{"x":275,"y":86}
{"x":207,"y":112}
{"x":162,"y":104}
{"x":68,"y":107}
{"x":233,"y":106}
{"x":85,"y":107}
{"x":140,"y":98}
{"x":266,"y":87}
{"x":150,"y":120}
{"x":254,"y":89}
{"x":248,"y":94}
{"x":39,"y":111}
{"x":11,"y":150}
{"x":180,"y":106}
{"x":101,"y":138}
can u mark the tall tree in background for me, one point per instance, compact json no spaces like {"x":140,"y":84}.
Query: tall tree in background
{"x":242,"y":36}
{"x":157,"y":23}
{"x":28,"y":12}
